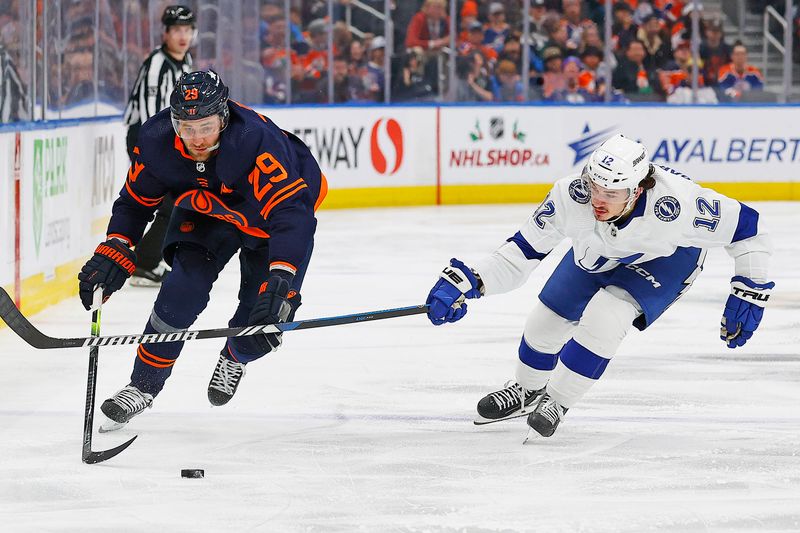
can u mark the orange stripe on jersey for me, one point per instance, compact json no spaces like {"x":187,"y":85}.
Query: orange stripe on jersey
{"x":134,"y":171}
{"x":262,"y":117}
{"x":180,"y":148}
{"x":147,"y":202}
{"x":288,"y":266}
{"x":282,"y":195}
{"x":323,"y":191}
{"x":150,"y":359}
{"x":136,"y":150}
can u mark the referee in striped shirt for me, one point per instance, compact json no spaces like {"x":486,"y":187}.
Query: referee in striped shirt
{"x":157,"y":77}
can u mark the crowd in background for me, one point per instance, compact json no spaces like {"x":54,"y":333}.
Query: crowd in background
{"x":651,"y":58}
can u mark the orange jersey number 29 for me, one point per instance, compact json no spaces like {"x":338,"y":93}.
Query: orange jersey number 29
{"x":190,"y":94}
{"x":266,"y":172}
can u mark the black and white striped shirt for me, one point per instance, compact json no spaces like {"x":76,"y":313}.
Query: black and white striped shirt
{"x":13,"y":101}
{"x":157,"y":77}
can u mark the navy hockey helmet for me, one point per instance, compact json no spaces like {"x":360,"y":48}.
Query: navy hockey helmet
{"x":197,"y":95}
{"x":178,"y":16}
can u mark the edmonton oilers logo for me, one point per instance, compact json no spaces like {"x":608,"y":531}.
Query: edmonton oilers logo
{"x":578,"y":191}
{"x":667,"y":208}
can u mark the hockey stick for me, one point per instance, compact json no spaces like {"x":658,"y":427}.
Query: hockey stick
{"x":90,"y":457}
{"x":28,"y":332}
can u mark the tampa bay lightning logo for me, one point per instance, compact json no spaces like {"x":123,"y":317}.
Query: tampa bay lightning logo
{"x":667,"y":208}
{"x":578,"y":191}
{"x":588,"y":141}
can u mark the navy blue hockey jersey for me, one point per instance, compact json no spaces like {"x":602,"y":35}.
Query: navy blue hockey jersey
{"x":261,"y":179}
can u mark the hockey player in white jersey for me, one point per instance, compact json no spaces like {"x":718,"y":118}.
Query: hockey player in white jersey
{"x":639,"y":236}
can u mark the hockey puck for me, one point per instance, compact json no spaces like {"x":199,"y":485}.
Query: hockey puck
{"x":193,"y":473}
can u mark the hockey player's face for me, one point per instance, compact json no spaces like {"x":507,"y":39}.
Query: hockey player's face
{"x":199,"y":135}
{"x":608,"y":203}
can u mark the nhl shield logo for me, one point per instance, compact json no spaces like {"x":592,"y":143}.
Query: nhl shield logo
{"x":496,"y":127}
{"x":201,"y":167}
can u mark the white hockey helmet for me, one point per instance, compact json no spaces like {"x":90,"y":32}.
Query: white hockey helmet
{"x":618,"y":163}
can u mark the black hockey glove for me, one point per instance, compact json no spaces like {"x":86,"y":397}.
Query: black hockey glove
{"x":112,"y":263}
{"x":276,"y":303}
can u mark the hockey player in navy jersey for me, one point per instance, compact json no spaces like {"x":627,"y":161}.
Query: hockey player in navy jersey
{"x":241,"y":185}
{"x":639,"y":236}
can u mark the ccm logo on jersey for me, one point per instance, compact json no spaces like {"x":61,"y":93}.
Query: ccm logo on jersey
{"x":645,"y":274}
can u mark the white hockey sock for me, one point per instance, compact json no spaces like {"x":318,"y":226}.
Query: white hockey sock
{"x":568,"y":387}
{"x":531,"y":378}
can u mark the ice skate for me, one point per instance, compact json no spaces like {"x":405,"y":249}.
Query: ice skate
{"x":150,"y":278}
{"x":505,"y":404}
{"x":544,"y":420}
{"x":123,"y":406}
{"x":225,"y":380}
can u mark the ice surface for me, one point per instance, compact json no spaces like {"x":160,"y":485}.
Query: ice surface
{"x":368,"y":427}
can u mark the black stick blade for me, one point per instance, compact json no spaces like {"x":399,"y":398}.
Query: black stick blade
{"x":92,"y":458}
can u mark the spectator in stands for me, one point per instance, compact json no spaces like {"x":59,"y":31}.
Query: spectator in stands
{"x":474,"y":43}
{"x":376,"y":80}
{"x":590,"y":78}
{"x":556,"y":35}
{"x":738,"y":76}
{"x":469,"y":14}
{"x":429,"y":29}
{"x":537,"y":32}
{"x":13,"y":98}
{"x":316,"y":60}
{"x":357,"y":58}
{"x":657,"y":48}
{"x":623,"y":30}
{"x":472,"y":81}
{"x":342,"y":37}
{"x":676,"y":79}
{"x":574,"y":22}
{"x":631,"y":76}
{"x":412,"y":83}
{"x":498,"y":29}
{"x":572,"y":92}
{"x":591,"y":37}
{"x":553,"y":77}
{"x":714,"y":52}
{"x":506,"y":85}
{"x":346,"y":87}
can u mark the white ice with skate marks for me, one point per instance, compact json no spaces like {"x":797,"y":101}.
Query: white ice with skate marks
{"x":368,"y":427}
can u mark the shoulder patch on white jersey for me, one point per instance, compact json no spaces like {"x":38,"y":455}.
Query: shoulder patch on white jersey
{"x":578,"y":192}
{"x":667,"y":208}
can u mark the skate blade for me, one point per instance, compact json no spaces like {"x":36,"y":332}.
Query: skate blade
{"x":109,"y":425}
{"x":531,"y":437}
{"x":481,"y":421}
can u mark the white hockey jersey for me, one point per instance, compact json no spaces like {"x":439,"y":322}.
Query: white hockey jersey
{"x":675,"y":213}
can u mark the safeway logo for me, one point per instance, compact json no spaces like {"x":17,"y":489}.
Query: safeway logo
{"x":386,"y":146}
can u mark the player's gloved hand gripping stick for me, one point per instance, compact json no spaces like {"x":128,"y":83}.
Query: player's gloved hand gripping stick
{"x":456,"y":284}
{"x":113,"y":262}
{"x":743,"y":310}
{"x":275,"y":304}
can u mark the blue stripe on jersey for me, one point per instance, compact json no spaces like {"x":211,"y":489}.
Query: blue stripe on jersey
{"x":630,"y":259}
{"x":638,"y":210}
{"x":748,"y":223}
{"x":525,"y":246}
{"x":583,"y":361}
{"x":536,"y":359}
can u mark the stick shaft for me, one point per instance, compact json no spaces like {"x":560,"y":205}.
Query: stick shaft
{"x":30,"y":334}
